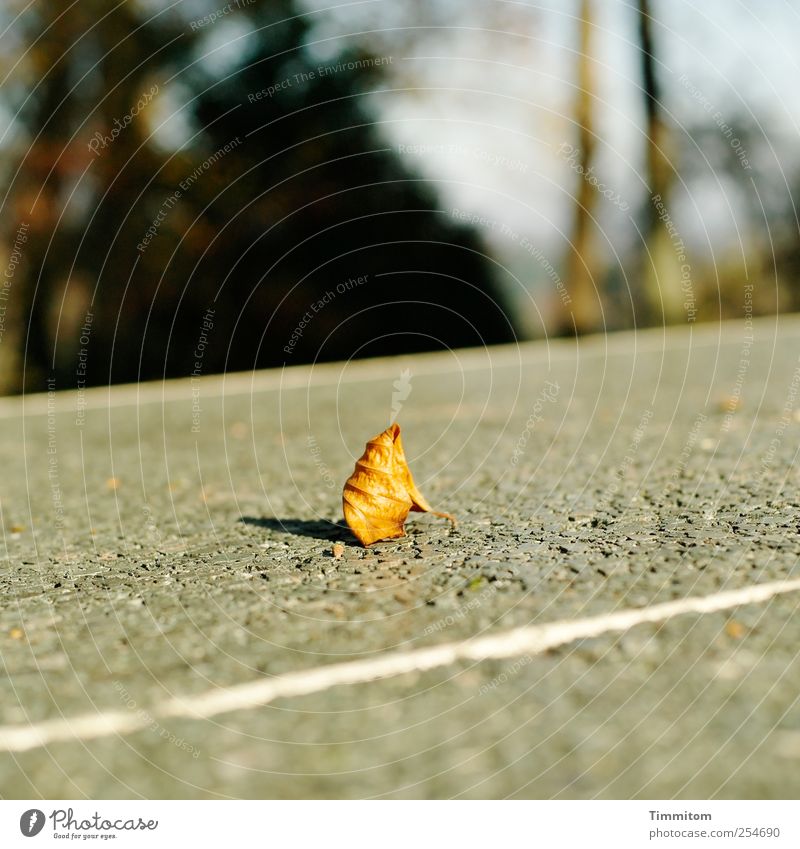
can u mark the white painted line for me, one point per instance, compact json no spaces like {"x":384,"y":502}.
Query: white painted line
{"x":531,"y":640}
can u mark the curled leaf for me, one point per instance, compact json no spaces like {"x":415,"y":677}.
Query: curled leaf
{"x":380,"y":493}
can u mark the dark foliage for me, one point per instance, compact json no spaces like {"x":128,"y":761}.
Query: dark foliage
{"x":266,"y":232}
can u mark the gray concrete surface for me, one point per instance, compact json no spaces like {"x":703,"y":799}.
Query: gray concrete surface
{"x":177,"y":539}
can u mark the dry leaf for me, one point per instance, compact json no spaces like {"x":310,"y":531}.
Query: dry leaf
{"x":380,"y":493}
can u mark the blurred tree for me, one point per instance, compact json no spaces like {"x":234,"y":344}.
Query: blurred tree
{"x":38,"y":206}
{"x":582,"y":264}
{"x":86,"y":70}
{"x":661,"y":298}
{"x":312,"y":199}
{"x":283,"y":194}
{"x":759,"y":269}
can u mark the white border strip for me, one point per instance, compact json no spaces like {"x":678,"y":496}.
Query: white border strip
{"x":530,"y":640}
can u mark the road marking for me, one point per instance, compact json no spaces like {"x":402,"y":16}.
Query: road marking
{"x":529,"y":640}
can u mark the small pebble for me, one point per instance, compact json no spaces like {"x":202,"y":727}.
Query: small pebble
{"x":734,"y":629}
{"x":729,"y":404}
{"x":337,"y":550}
{"x":238,"y":430}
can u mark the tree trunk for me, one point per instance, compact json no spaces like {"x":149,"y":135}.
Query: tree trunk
{"x":582,"y":280}
{"x":663,"y":254}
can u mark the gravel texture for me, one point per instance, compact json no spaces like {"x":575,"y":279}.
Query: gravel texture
{"x":163,"y":541}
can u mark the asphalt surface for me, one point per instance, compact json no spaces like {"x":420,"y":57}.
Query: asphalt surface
{"x":177,"y":539}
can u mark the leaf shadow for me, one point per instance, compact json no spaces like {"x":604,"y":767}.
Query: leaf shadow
{"x":313,"y":528}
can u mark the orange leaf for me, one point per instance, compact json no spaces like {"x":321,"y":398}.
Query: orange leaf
{"x":380,"y":493}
